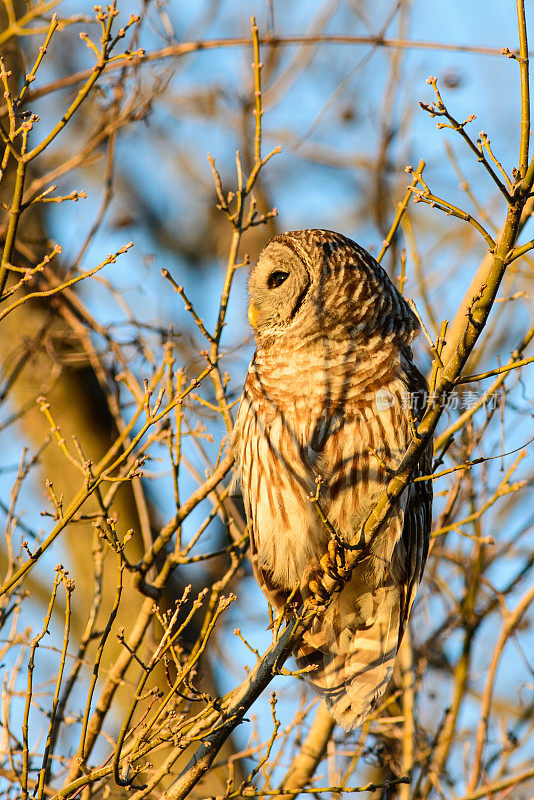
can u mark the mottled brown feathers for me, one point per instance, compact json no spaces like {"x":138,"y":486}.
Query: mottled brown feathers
{"x":329,"y":395}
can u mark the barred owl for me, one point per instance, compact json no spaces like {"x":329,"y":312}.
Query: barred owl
{"x":328,"y":406}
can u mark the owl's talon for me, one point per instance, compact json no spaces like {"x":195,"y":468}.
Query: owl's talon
{"x":318,"y":592}
{"x":333,"y":563}
{"x":327,"y":564}
{"x":334,"y":551}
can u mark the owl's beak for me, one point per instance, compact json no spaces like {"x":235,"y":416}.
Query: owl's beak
{"x":253,"y":314}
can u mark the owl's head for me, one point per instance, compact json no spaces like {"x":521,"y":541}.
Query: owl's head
{"x":316,"y":280}
{"x":279,"y":284}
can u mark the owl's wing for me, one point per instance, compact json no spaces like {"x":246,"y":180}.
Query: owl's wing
{"x":411,"y":551}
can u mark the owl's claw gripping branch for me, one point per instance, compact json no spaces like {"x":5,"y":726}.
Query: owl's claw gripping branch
{"x":318,"y":593}
{"x":329,"y":576}
{"x":333,"y":562}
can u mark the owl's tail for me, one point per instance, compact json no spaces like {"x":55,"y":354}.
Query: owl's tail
{"x":352,"y":648}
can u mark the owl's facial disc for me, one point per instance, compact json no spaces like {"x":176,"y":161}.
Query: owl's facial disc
{"x":278,"y":285}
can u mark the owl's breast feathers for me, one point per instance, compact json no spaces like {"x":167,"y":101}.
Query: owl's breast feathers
{"x":333,"y":422}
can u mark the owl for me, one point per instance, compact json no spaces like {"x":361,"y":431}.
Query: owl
{"x":328,"y":410}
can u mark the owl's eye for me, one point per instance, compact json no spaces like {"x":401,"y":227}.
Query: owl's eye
{"x":276,"y":279}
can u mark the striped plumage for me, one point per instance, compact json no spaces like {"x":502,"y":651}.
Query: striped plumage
{"x":327,"y":396}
